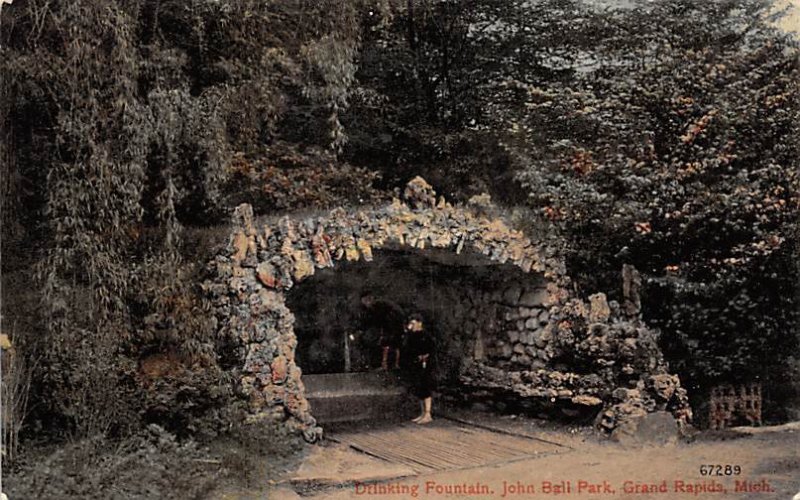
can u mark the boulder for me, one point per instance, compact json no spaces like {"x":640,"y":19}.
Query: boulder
{"x":239,"y":246}
{"x":541,"y":338}
{"x":586,"y":400}
{"x":599,"y":311}
{"x":544,"y":317}
{"x":280,"y":369}
{"x":526,"y":338}
{"x":658,"y":428}
{"x":538,"y":364}
{"x":512,"y":295}
{"x":663,"y":385}
{"x":533,"y":298}
{"x":524,"y":359}
{"x":419,"y":193}
{"x":268,"y":275}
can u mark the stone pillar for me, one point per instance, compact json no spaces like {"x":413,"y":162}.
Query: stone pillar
{"x":631,"y":289}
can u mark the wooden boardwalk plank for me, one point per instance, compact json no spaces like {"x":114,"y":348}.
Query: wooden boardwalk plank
{"x":396,"y":453}
{"x":441,"y":442}
{"x":442,"y":460}
{"x":444,"y":445}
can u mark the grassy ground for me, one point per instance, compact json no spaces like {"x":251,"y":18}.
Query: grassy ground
{"x":152,"y":465}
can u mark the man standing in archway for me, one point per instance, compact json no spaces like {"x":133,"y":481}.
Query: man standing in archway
{"x":385,"y":319}
{"x":420,"y":348}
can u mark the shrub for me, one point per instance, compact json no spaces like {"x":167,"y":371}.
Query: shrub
{"x":150,"y":465}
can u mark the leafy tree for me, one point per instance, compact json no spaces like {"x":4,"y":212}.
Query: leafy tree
{"x":677,"y":151}
{"x":123,"y":122}
{"x":416,"y":101}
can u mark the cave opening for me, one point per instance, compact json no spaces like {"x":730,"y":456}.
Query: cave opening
{"x":463,"y":298}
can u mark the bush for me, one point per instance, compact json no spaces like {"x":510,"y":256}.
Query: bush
{"x":139,"y":108}
{"x":150,"y":465}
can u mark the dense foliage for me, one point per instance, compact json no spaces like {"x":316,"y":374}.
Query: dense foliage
{"x":677,"y":152}
{"x":124,"y":122}
{"x":663,"y":136}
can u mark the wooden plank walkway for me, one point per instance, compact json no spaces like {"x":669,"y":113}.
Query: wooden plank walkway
{"x":444,"y":445}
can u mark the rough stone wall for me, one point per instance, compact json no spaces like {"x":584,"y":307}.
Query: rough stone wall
{"x":586,"y":355}
{"x":522,"y":340}
{"x":621,"y":366}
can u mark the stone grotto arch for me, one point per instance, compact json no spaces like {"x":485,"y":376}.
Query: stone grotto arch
{"x":619,"y":368}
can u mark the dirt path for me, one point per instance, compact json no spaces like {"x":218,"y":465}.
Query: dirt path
{"x":769,"y":462}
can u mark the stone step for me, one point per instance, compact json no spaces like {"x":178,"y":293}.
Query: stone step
{"x":350,"y":383}
{"x":360,"y":408}
{"x":358,"y":392}
{"x":351,"y":397}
